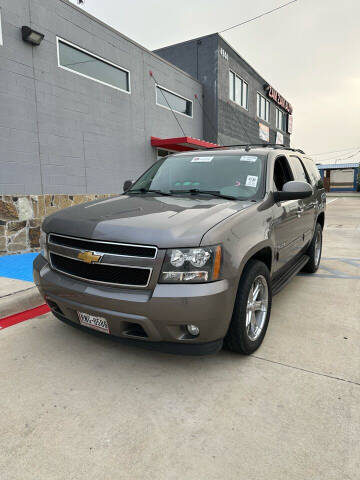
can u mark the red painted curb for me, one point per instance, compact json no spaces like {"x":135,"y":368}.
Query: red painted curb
{"x":22,"y":316}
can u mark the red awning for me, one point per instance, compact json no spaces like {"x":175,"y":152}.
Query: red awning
{"x":181,"y":144}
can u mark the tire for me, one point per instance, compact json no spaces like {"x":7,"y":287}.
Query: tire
{"x":313,"y":253}
{"x":241,"y":336}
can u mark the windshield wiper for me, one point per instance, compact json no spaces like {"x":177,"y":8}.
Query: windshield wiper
{"x":215,"y":193}
{"x":144,"y":190}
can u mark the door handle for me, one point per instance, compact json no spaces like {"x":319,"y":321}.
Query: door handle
{"x":299,"y":211}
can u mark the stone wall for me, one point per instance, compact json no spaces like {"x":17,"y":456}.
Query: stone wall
{"x":21,"y":217}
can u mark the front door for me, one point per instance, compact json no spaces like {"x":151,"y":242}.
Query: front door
{"x":286,"y":230}
{"x":288,"y":238}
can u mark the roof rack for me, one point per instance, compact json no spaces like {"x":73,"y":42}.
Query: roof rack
{"x":249,"y":146}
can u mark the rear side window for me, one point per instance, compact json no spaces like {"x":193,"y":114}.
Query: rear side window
{"x":300,"y":173}
{"x":314,"y":174}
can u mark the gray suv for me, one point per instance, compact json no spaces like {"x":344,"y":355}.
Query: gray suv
{"x":188,"y":258}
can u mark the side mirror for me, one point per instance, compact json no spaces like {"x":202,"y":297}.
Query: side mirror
{"x":127,"y":185}
{"x":293,"y":191}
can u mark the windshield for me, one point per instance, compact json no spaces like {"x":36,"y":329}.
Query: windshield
{"x":238,"y":176}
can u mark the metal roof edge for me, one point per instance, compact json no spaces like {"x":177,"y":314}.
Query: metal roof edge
{"x":186,"y":41}
{"x":324,"y":166}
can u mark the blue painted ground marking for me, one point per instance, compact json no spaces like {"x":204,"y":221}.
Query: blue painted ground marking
{"x":17,"y":266}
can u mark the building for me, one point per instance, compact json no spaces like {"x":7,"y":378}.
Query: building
{"x":340,"y":176}
{"x":83,"y":108}
{"x":240,"y":107}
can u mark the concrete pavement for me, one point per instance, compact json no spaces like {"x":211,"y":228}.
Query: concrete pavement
{"x":343,"y":194}
{"x":12,"y":286}
{"x":75,"y":406}
{"x":17,"y":296}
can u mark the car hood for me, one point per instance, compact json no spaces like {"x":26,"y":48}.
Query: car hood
{"x":150,"y":220}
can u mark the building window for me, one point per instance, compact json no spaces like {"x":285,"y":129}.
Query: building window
{"x":238,"y":90}
{"x":1,"y":40}
{"x":173,"y":101}
{"x":86,"y":64}
{"x":281,"y":120}
{"x":263,"y":108}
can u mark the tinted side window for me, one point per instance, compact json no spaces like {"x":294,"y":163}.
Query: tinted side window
{"x":313,"y":172}
{"x":299,"y":172}
{"x":282,"y":173}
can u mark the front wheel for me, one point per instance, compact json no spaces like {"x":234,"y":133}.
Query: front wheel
{"x":314,"y":251}
{"x":251,"y":311}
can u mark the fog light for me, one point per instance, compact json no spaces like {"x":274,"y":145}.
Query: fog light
{"x":193,"y":330}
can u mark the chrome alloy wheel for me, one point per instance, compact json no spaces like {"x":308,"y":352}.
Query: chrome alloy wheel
{"x":257,"y":307}
{"x":317,"y":247}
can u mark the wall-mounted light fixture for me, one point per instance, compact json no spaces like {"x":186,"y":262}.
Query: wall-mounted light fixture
{"x":31,"y":36}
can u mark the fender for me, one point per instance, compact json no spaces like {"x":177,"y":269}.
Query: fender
{"x":253,"y":253}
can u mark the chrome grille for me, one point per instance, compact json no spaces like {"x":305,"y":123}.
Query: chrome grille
{"x":110,"y":274}
{"x":115,"y":264}
{"x":123,"y":249}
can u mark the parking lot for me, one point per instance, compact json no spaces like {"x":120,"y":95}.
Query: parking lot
{"x":75,"y":406}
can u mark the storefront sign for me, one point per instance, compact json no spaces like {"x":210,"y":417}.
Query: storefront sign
{"x":264,"y":132}
{"x":280,"y":100}
{"x":279,"y":138}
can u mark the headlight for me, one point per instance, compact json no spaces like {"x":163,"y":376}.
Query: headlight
{"x":43,"y":245}
{"x":191,"y":265}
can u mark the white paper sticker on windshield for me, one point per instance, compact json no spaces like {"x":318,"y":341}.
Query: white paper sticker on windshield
{"x":251,"y":181}
{"x":248,"y":158}
{"x":202,"y":159}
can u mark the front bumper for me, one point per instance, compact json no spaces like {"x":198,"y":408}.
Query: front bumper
{"x":162,"y":313}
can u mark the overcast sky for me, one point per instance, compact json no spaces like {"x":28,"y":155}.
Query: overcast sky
{"x":309,"y":51}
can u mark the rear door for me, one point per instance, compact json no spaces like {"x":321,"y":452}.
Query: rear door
{"x":306,"y":209}
{"x":318,"y":185}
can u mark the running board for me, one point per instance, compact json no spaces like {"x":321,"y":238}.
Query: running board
{"x":281,"y":281}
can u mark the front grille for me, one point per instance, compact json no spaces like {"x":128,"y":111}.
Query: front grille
{"x":117,"y":275}
{"x":127,"y":250}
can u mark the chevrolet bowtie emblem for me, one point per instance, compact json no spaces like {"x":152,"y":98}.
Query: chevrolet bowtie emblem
{"x":89,"y":257}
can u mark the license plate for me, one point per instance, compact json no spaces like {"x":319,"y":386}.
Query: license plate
{"x":91,"y":321}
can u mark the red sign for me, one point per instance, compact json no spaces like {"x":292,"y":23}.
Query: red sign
{"x":280,"y":100}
